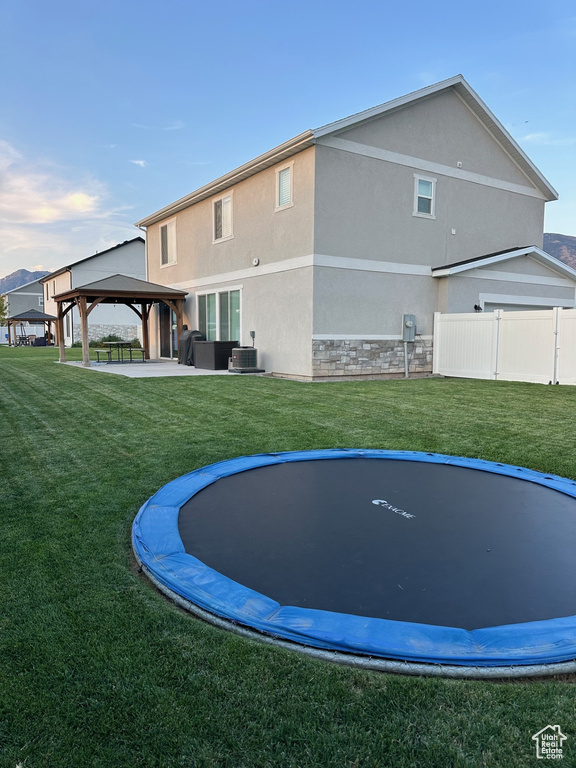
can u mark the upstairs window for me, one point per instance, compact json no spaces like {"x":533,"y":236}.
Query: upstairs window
{"x":424,"y":197}
{"x":168,"y":243}
{"x":223,"y":218}
{"x":284,"y":187}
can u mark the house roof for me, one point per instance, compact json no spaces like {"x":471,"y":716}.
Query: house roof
{"x":25,"y":285}
{"x":56,"y":272}
{"x":307,"y":139}
{"x":32,"y":315}
{"x":120,"y":287}
{"x":512,"y":253}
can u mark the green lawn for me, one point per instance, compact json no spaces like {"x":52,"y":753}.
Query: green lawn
{"x":98,"y":669}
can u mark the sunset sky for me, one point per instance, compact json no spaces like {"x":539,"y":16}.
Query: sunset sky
{"x":111,"y":110}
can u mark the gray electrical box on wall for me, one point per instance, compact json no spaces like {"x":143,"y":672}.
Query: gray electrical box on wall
{"x":408,"y":327}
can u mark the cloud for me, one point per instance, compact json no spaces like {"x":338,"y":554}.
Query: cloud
{"x":49,"y":214}
{"x":175,"y":126}
{"x":33,"y":196}
{"x":549,"y":140}
{"x":141,"y":163}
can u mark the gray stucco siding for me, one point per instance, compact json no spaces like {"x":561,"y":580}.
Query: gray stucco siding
{"x":24,"y":298}
{"x":371,"y":303}
{"x":259,"y":231}
{"x":128,"y":259}
{"x":459,"y":293}
{"x":443,"y":130}
{"x":523,"y":265}
{"x":364,"y":209}
{"x":278,"y":308}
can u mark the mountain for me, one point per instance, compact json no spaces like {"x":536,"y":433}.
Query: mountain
{"x":18,"y":278}
{"x":562,"y":247}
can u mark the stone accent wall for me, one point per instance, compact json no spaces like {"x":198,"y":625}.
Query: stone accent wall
{"x":360,"y":357}
{"x":96,"y":331}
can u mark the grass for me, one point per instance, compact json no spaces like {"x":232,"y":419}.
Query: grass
{"x":98,"y":669}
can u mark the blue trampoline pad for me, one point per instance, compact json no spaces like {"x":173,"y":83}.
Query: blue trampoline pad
{"x":400,"y":555}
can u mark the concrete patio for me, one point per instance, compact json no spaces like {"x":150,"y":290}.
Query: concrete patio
{"x":148,"y":370}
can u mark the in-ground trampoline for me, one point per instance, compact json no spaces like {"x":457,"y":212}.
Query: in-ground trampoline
{"x":408,"y":561}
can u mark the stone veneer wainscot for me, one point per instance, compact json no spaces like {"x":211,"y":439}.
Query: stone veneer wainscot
{"x":360,"y":357}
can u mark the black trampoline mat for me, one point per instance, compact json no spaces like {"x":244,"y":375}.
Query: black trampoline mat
{"x":453,"y":546}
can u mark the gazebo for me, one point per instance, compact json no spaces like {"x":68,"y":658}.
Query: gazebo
{"x":139,"y":295}
{"x":30,"y":316}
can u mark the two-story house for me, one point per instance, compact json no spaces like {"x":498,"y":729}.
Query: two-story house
{"x":321,"y":245}
{"x":28,"y":296}
{"x":127,"y":258}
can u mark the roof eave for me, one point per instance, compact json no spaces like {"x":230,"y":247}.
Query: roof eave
{"x":533,"y":251}
{"x":273,"y":156}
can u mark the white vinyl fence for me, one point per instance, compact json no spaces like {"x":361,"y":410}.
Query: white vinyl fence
{"x":37,"y":330}
{"x":537,"y":346}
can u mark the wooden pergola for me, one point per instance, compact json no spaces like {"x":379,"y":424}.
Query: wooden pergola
{"x":30,"y":316}
{"x":139,"y":295}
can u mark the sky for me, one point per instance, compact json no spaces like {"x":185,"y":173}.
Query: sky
{"x":110,"y":110}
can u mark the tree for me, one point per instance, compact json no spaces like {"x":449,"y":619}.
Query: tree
{"x":3,"y":310}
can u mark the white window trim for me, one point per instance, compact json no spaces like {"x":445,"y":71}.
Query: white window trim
{"x":218,"y":291}
{"x":432,"y":215}
{"x":229,"y":194}
{"x":167,"y":224}
{"x":277,"y":190}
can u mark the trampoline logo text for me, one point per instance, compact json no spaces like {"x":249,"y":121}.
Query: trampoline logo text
{"x":392,"y":508}
{"x":549,"y":743}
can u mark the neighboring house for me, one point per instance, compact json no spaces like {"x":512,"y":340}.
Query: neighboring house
{"x":21,"y":299}
{"x":127,"y":258}
{"x":29,"y":296}
{"x":321,"y":245}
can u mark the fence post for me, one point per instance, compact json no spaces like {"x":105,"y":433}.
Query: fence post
{"x":436,"y":342}
{"x":497,"y":318}
{"x":558,"y":312}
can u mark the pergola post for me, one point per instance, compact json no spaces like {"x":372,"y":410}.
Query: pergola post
{"x":145,"y":330}
{"x":9,"y":334}
{"x":83,"y":310}
{"x":179,"y":318}
{"x":60,"y":332}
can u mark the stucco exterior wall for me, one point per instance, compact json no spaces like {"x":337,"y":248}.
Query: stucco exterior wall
{"x":277,"y":307}
{"x":362,"y":304}
{"x":258,"y":230}
{"x":52,"y":286}
{"x":364,"y":210}
{"x":459,"y":293}
{"x":443,"y":130}
{"x":30,"y":296}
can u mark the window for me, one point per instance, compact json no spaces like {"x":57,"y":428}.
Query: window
{"x":40,"y":301}
{"x":223,"y":218}
{"x":219,"y":315}
{"x":47,"y":296}
{"x":284,"y":187}
{"x":168,"y":243}
{"x":424,"y":197}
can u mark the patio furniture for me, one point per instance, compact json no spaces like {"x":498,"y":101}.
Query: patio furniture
{"x":213,"y":355}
